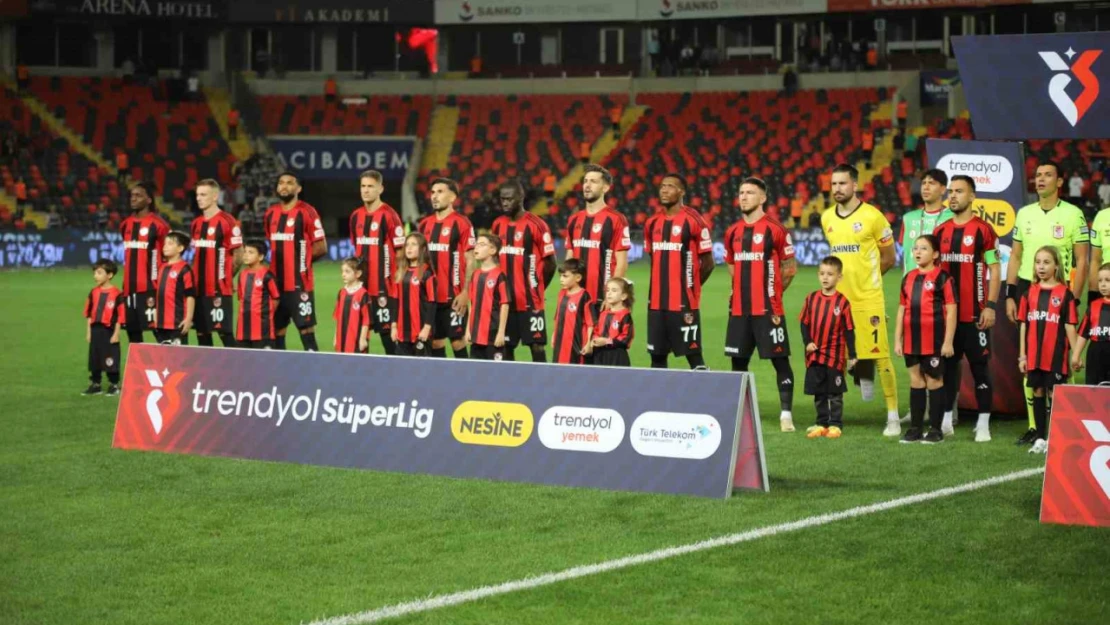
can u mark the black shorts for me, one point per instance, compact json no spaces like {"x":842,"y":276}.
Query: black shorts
{"x":611,"y":357}
{"x":824,"y":380}
{"x":932,"y":366}
{"x":214,"y":314}
{"x":449,"y":324}
{"x":1038,"y":378}
{"x":103,"y":354}
{"x":406,"y":348}
{"x":171,"y":337}
{"x":383,"y":310}
{"x":747,"y":332}
{"x":972,"y":342}
{"x":298,"y":307}
{"x":140,"y":312}
{"x":487,"y":352}
{"x":1098,"y":362}
{"x":263,"y":344}
{"x":672,"y":331}
{"x":526,"y":326}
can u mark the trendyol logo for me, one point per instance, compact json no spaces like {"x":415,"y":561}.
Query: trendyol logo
{"x":1073,"y":110}
{"x":162,"y":384}
{"x":574,"y":428}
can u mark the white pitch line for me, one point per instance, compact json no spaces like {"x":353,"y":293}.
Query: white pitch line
{"x":528,"y":583}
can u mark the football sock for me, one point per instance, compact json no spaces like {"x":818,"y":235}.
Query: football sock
{"x":918,"y":398}
{"x":952,"y":383}
{"x":508,"y":354}
{"x":786,"y":382}
{"x":113,"y":378}
{"x":741,"y":364}
{"x":204,"y":340}
{"x":1040,"y":416}
{"x":695,"y":360}
{"x":309,"y":342}
{"x":387,"y":343}
{"x":1029,"y":405}
{"x":134,"y":336}
{"x":539,"y":355}
{"x":890,"y":384}
{"x":984,"y":420}
{"x":836,"y":410}
{"x":439,"y":352}
{"x":658,"y":361}
{"x":936,"y":408}
{"x":946,"y":420}
{"x":984,"y":390}
{"x":94,"y":377}
{"x":459,"y":353}
{"x":279,"y":342}
{"x":228,"y":339}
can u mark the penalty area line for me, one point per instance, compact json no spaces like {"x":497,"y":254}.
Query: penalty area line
{"x":435,"y":602}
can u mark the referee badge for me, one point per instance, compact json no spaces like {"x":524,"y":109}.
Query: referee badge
{"x":1057,"y":232}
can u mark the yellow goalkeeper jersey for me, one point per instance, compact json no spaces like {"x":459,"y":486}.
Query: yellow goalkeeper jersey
{"x":856,"y":241}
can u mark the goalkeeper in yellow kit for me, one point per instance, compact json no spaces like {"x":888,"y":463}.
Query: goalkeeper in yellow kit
{"x":860,"y":236}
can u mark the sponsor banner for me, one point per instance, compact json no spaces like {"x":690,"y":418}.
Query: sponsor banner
{"x":133,"y":9}
{"x":653,"y":10}
{"x":937,"y":85}
{"x":320,"y":158}
{"x":58,"y":248}
{"x":620,"y":429}
{"x":1036,"y":86}
{"x":333,"y":11}
{"x":998,"y":169}
{"x":531,"y":11}
{"x":1077,"y":472}
{"x":894,"y":5}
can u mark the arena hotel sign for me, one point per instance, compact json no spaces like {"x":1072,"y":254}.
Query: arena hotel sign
{"x":153,"y":9}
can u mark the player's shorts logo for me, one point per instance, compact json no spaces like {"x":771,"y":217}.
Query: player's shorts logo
{"x":109,"y":361}
{"x":150,"y":302}
{"x":163,"y":384}
{"x":304,"y":297}
{"x":839,"y":380}
{"x":498,"y":356}
{"x":775,"y":319}
{"x":217,"y":302}
{"x":875,"y":321}
{"x":689,"y":318}
{"x":968,"y":240}
{"x":373,"y":226}
{"x":935,"y":362}
{"x":382,"y":301}
{"x":1072,"y":110}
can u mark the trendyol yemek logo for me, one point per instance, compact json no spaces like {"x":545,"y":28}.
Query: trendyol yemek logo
{"x":162,"y":384}
{"x":675,"y":435}
{"x":1072,"y":110}
{"x":992,"y":173}
{"x":574,"y":428}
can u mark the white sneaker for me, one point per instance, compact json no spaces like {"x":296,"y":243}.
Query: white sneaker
{"x":982,"y":434}
{"x":786,"y":425}
{"x":893,"y":429}
{"x":1040,"y":446}
{"x":946,"y":429}
{"x":867,"y":389}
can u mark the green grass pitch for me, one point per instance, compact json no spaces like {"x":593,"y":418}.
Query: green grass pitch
{"x":89,"y":534}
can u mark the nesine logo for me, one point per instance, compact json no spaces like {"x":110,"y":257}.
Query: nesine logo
{"x":499,"y":424}
{"x":163,"y":384}
{"x":1073,"y":111}
{"x":573,"y":428}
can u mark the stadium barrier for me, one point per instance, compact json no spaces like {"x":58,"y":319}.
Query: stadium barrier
{"x":677,"y":432}
{"x":1077,"y":472}
{"x":74,"y":247}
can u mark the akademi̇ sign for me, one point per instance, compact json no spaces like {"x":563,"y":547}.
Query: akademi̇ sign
{"x":474,"y":419}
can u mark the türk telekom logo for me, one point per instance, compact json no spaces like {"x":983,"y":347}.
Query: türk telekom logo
{"x":163,"y":384}
{"x":1072,"y":110}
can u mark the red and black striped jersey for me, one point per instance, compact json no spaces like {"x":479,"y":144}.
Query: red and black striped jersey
{"x":449,"y":239}
{"x":525,"y":243}
{"x":104,"y":306}
{"x":615,"y":325}
{"x":756,"y":252}
{"x":142,"y":251}
{"x":827,"y":323}
{"x":674,"y":245}
{"x":175,"y":285}
{"x":377,"y":235}
{"x":1045,"y":311}
{"x":488,"y":291}
{"x":352,"y":314}
{"x":595,"y":240}
{"x":924,"y":296}
{"x":416,"y":302}
{"x":964,"y":254}
{"x":213,"y":243}
{"x":291,"y":234}
{"x":258,"y":294}
{"x":1095,"y":326}
{"x":574,"y":318}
